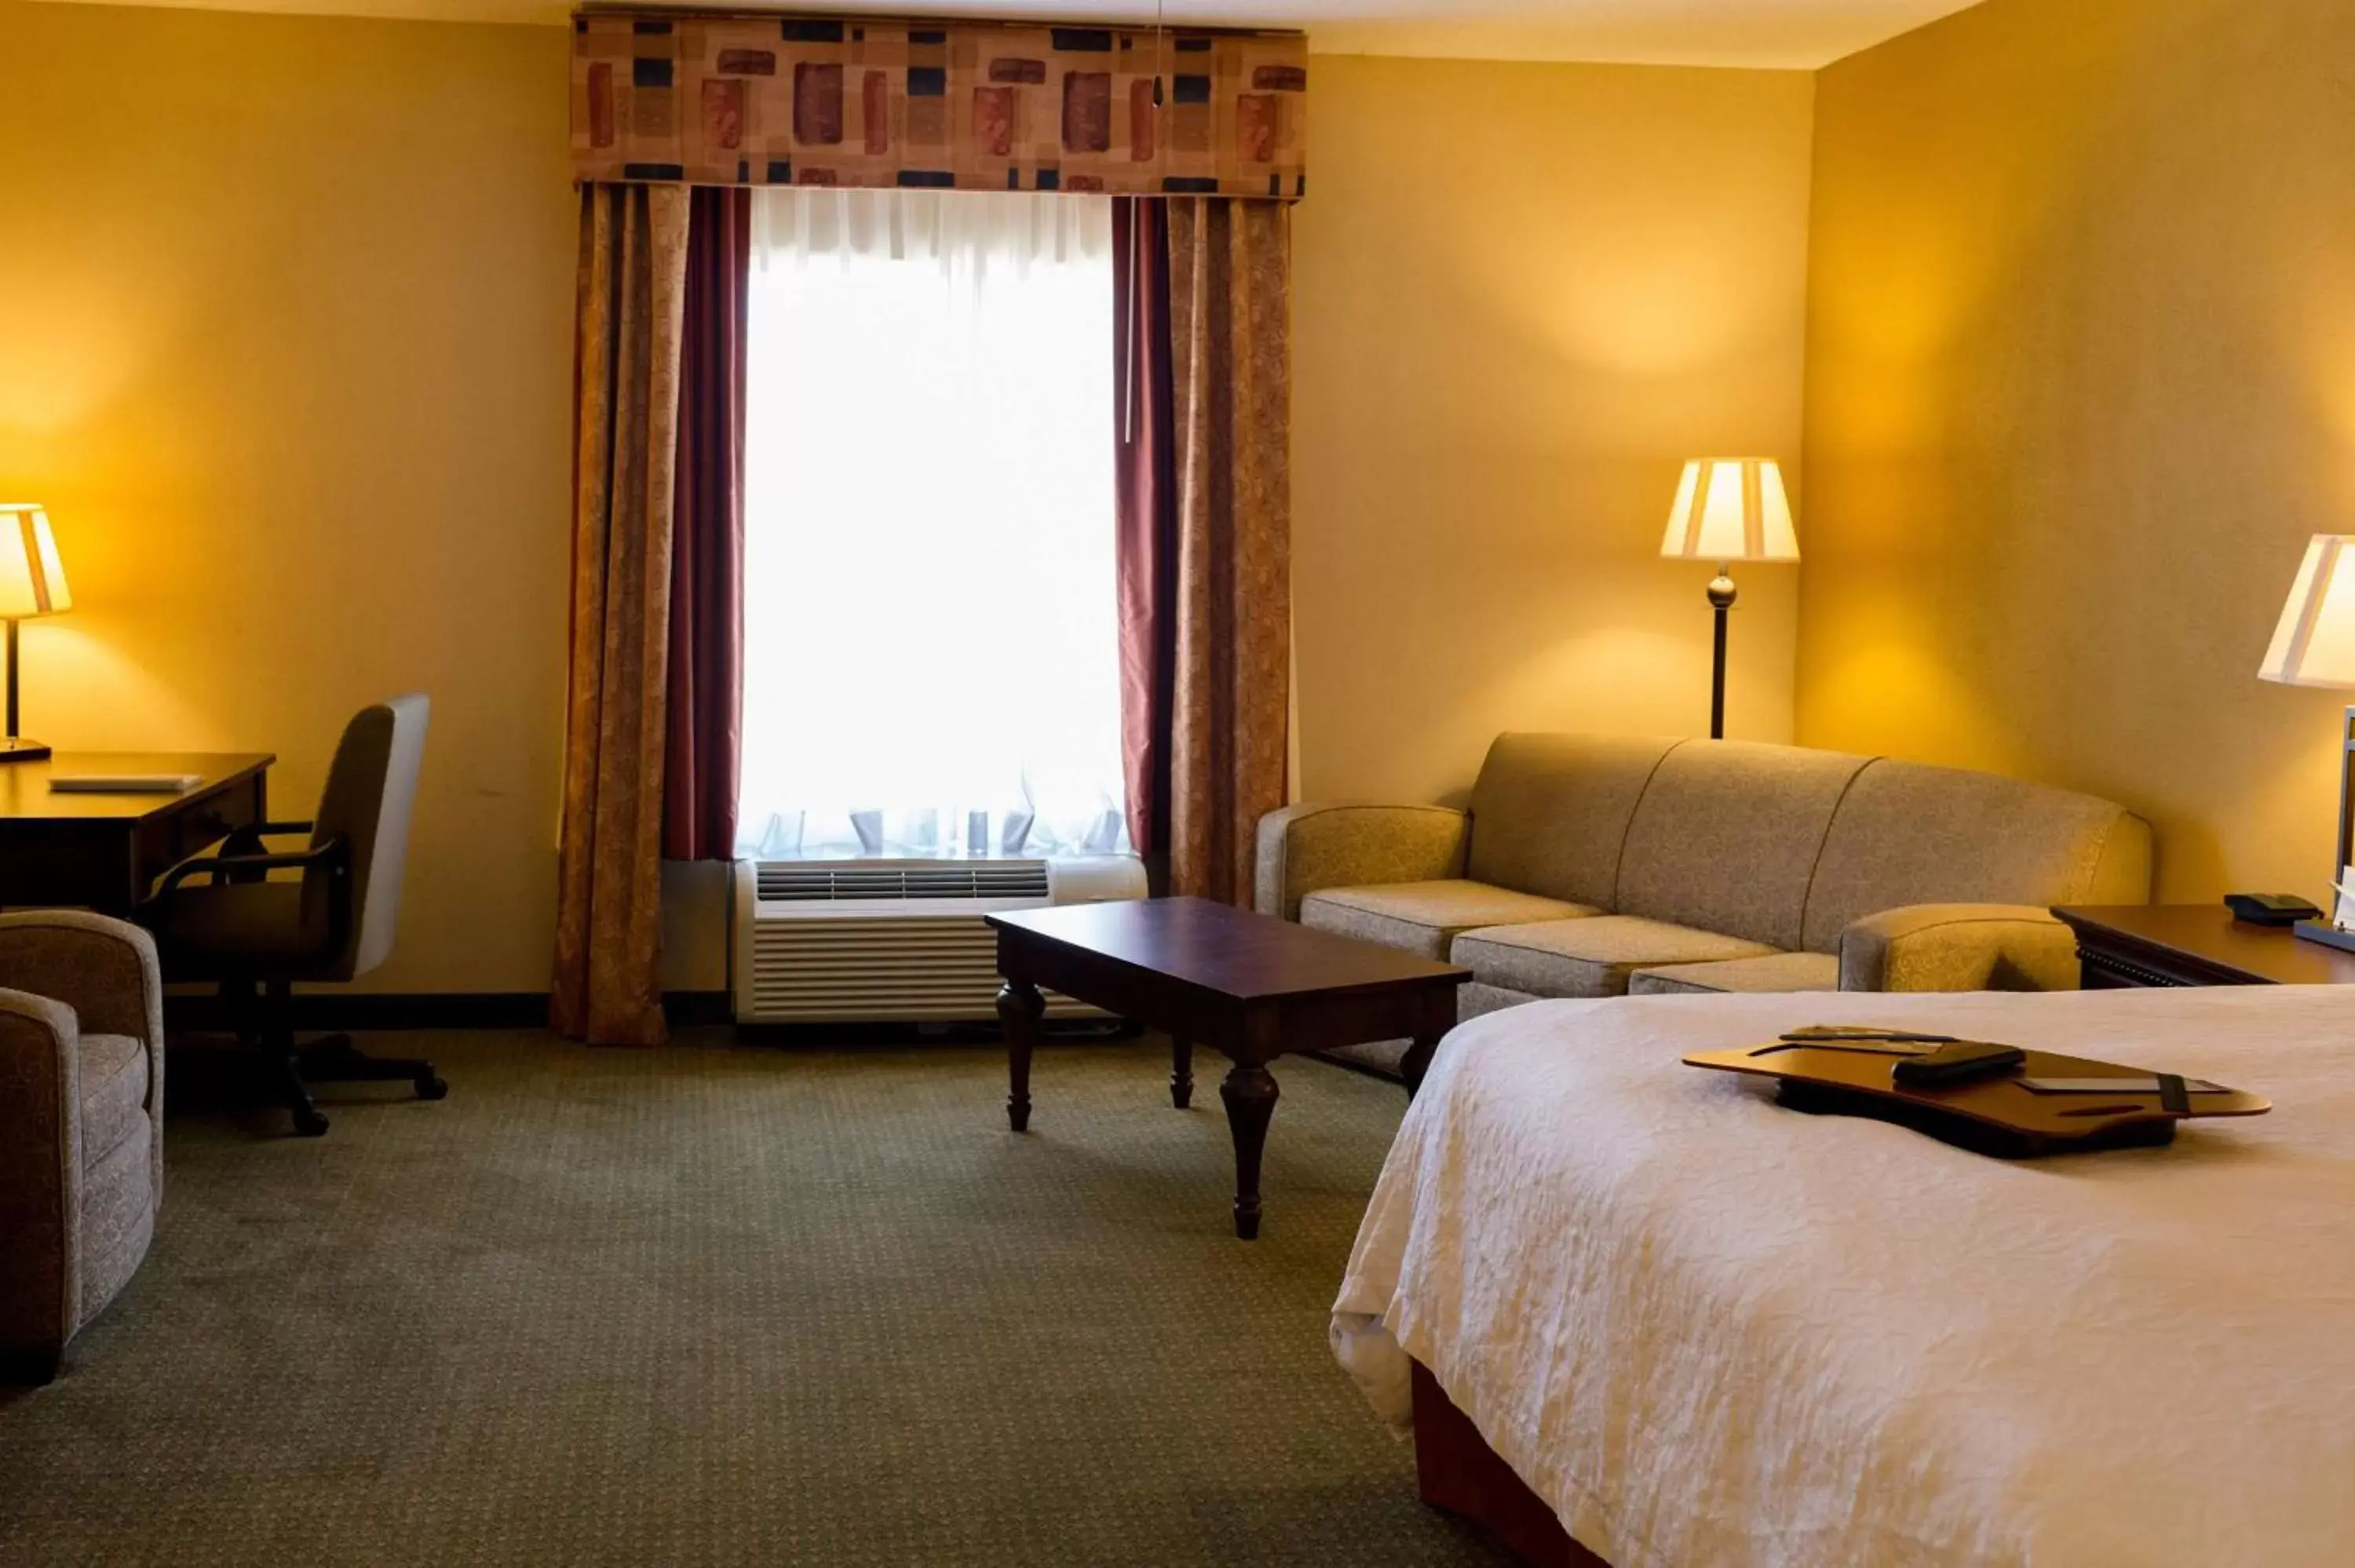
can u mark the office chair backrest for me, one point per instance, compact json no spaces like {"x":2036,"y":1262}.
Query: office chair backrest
{"x":371,"y":787}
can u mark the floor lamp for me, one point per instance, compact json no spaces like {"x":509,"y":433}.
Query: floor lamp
{"x":2313,"y":645}
{"x":32,"y":583}
{"x":1729,"y":510}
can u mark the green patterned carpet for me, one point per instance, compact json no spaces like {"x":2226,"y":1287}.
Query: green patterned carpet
{"x":716,"y":1305}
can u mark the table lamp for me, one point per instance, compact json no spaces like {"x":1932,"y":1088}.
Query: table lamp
{"x":1729,"y":510}
{"x":2314,"y":646}
{"x":32,"y":582}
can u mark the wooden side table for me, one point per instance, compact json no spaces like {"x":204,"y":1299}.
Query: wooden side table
{"x":2138,"y":946}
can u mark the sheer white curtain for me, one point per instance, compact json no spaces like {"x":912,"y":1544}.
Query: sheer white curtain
{"x":931,"y":649}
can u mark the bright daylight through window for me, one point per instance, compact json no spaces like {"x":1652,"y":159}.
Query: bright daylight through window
{"x":931,"y":661}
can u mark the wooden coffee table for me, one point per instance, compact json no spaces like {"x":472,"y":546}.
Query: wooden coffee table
{"x":1243,"y":984}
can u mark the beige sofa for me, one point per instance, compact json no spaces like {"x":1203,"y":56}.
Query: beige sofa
{"x":1589,"y":866}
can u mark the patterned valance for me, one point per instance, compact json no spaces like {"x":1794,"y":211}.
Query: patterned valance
{"x":973,"y":106}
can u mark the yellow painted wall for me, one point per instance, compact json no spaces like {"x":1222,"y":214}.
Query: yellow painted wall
{"x":1525,"y":296}
{"x":285,"y":338}
{"x":2082,"y":381}
{"x":284,"y":344}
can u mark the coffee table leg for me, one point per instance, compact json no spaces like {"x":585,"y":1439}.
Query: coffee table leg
{"x":1181,"y":1071}
{"x":1019,"y":1008}
{"x":1250,"y":1094}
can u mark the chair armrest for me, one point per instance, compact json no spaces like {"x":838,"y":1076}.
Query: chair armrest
{"x":40,"y":1165}
{"x":250,"y":867}
{"x":104,"y":971}
{"x":247,"y":840}
{"x":1305,"y":848}
{"x":1959,"y":947}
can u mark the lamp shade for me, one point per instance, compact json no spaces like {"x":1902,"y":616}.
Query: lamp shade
{"x":2314,"y":643}
{"x":1732,"y":509}
{"x":32,"y":580}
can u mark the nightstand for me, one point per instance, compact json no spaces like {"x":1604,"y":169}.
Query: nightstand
{"x":2133,"y":946}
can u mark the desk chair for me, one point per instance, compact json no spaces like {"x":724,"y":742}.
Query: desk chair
{"x":333,"y":923}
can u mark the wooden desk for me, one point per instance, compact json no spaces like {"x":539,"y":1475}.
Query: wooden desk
{"x":104,"y":852}
{"x":2133,"y":945}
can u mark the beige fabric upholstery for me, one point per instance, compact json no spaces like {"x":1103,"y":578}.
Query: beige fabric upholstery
{"x":1589,"y":958}
{"x":1727,"y":838}
{"x":81,"y":1118}
{"x":1781,"y":972}
{"x":1425,"y":918}
{"x":1908,"y":834}
{"x":1551,"y":812}
{"x":1477,"y":1001}
{"x":1716,"y":866}
{"x":1305,"y":848}
{"x":1959,"y":947}
{"x":113,"y":1094}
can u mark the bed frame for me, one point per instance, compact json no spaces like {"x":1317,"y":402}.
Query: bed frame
{"x":1459,"y":1472}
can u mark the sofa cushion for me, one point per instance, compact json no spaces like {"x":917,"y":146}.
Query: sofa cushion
{"x":1589,"y":958}
{"x":1781,"y":972}
{"x":1423,"y":917}
{"x":1549,"y":812}
{"x":1727,"y":837}
{"x":1907,"y":834}
{"x":114,"y":1069}
{"x":1477,"y":1001}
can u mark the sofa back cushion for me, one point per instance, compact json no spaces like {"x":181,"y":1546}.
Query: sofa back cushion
{"x":1550,"y":814}
{"x":1909,"y":835}
{"x":1727,"y":836}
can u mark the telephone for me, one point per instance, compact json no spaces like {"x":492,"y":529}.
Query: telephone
{"x":2270,"y":909}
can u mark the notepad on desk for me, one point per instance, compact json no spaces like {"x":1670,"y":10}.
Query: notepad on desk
{"x":124,"y":783}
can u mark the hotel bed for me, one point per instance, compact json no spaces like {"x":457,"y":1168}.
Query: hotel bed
{"x":1703,"y":1330}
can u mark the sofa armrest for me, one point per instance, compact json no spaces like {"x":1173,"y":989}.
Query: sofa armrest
{"x":1304,"y":848}
{"x":106,"y":972}
{"x":1959,"y":947}
{"x":106,"y":969}
{"x":40,"y":1162}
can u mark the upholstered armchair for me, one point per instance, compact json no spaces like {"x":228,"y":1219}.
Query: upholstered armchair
{"x":82,"y":1126}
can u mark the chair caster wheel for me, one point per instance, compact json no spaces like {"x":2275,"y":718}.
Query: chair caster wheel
{"x":432,"y":1088}
{"x":310,"y":1126}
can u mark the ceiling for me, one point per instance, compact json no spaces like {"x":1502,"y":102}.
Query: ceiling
{"x":1802,"y":33}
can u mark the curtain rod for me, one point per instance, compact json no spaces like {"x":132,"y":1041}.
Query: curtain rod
{"x":766,"y":14}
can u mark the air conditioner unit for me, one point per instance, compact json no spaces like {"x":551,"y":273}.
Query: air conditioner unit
{"x":896,"y":942}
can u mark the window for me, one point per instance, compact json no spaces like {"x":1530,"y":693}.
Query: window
{"x":931,"y":661}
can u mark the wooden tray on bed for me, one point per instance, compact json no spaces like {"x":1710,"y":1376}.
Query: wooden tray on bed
{"x":1997,"y":1116}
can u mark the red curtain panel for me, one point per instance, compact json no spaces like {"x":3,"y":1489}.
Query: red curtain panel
{"x":1147,"y":501}
{"x":705,"y":737}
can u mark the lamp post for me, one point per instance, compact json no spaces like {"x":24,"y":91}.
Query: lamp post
{"x":1729,"y":510}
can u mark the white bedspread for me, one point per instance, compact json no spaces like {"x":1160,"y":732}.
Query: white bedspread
{"x":1710,"y":1330}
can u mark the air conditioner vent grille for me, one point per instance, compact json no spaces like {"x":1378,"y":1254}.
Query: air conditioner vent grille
{"x":937,"y":968}
{"x":802,"y":881}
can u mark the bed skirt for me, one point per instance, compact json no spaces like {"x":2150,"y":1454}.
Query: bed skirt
{"x":1458,"y":1471}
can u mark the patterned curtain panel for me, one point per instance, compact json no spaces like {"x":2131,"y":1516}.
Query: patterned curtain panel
{"x":967,"y":106}
{"x":631,"y":306}
{"x":1231,"y":373}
